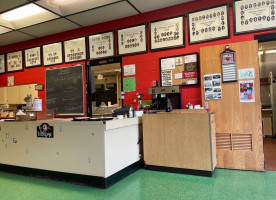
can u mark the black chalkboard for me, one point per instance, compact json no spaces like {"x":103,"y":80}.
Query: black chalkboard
{"x":64,"y":90}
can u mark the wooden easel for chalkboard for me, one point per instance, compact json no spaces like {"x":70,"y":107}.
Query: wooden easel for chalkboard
{"x":64,"y":90}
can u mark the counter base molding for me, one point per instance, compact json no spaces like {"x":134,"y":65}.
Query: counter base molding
{"x":93,"y":181}
{"x":180,"y":141}
{"x":180,"y":170}
{"x":96,"y":152}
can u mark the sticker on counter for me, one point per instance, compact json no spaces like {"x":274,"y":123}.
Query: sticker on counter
{"x":45,"y":130}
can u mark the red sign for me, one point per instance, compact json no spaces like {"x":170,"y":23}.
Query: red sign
{"x":191,"y":74}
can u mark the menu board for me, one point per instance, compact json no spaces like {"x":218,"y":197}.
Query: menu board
{"x":2,"y":64}
{"x":75,"y":50}
{"x":132,"y":40}
{"x":254,"y":15}
{"x":101,"y":45}
{"x":179,"y":70}
{"x":33,"y":57}
{"x":52,"y":54}
{"x":208,"y":24}
{"x":166,"y":33}
{"x":14,"y":61}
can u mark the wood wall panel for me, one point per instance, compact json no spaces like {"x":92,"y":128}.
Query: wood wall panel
{"x":233,"y":117}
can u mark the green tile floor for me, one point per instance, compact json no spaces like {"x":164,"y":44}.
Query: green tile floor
{"x":151,"y":185}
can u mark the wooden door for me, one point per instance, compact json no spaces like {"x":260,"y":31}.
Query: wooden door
{"x":238,"y":125}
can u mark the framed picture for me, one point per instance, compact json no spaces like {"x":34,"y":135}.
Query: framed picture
{"x":209,"y":24}
{"x":32,"y":57}
{"x":167,"y":33}
{"x":2,"y":64}
{"x":52,"y":54}
{"x":101,"y":45}
{"x":254,"y":15}
{"x":179,"y":70}
{"x":14,"y":61}
{"x":132,"y":40}
{"x":75,"y":50}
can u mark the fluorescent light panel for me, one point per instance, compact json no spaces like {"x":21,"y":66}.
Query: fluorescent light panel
{"x":22,"y":12}
{"x":270,"y":51}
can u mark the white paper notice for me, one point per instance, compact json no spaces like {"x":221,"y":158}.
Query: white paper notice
{"x":190,"y":58}
{"x":178,"y":76}
{"x":166,"y":78}
{"x":179,"y":60}
{"x":129,"y":70}
{"x":168,"y":63}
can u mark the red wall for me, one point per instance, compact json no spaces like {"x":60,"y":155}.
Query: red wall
{"x":147,"y":64}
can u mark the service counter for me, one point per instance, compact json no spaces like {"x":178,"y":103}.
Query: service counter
{"x":97,"y":153}
{"x":181,"y":141}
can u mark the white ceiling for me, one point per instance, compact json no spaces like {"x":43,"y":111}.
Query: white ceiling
{"x":69,"y":16}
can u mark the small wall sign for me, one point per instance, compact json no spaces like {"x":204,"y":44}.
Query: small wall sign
{"x":45,"y":130}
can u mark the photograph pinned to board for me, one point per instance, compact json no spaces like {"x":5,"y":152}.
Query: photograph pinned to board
{"x":75,"y":50}
{"x":132,"y":40}
{"x":129,"y":84}
{"x":14,"y":61}
{"x":101,"y":45}
{"x":129,"y":70}
{"x":247,"y":93}
{"x":179,"y":70}
{"x":167,"y":33}
{"x":253,"y":15}
{"x":2,"y":64}
{"x":246,"y":73}
{"x":208,"y":24}
{"x":32,"y":57}
{"x":212,"y":86}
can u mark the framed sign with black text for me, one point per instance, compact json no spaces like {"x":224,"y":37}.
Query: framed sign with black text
{"x":209,"y":24}
{"x":101,"y":45}
{"x":75,"y":50}
{"x":254,"y":15}
{"x":132,"y":40}
{"x":2,"y":64}
{"x":167,"y":33}
{"x":32,"y":57}
{"x":14,"y":61}
{"x":52,"y":54}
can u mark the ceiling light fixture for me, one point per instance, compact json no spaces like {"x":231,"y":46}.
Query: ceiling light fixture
{"x":270,"y":51}
{"x":22,"y":12}
{"x":57,"y":3}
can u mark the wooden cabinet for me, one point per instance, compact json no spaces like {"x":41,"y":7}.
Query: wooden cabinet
{"x":16,"y":94}
{"x":13,"y":95}
{"x":180,"y":141}
{"x":3,"y":95}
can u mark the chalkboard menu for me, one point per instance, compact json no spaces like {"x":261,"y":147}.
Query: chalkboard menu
{"x":64,"y":90}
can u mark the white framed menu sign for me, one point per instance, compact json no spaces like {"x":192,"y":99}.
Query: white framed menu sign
{"x":101,"y":45}
{"x":14,"y":61}
{"x":33,"y":57}
{"x":208,"y":24}
{"x":75,"y":50}
{"x":167,"y":33}
{"x":254,"y":15}
{"x":132,"y":40}
{"x":52,"y":54}
{"x":2,"y":64}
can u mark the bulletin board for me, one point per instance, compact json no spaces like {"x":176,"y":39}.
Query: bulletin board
{"x":179,"y":70}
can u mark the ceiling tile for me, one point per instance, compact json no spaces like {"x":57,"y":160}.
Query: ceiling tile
{"x":149,"y":5}
{"x":57,"y":26}
{"x":6,"y":5}
{"x":13,"y":37}
{"x":4,"y":30}
{"x":66,"y":7}
{"x":104,"y":14}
